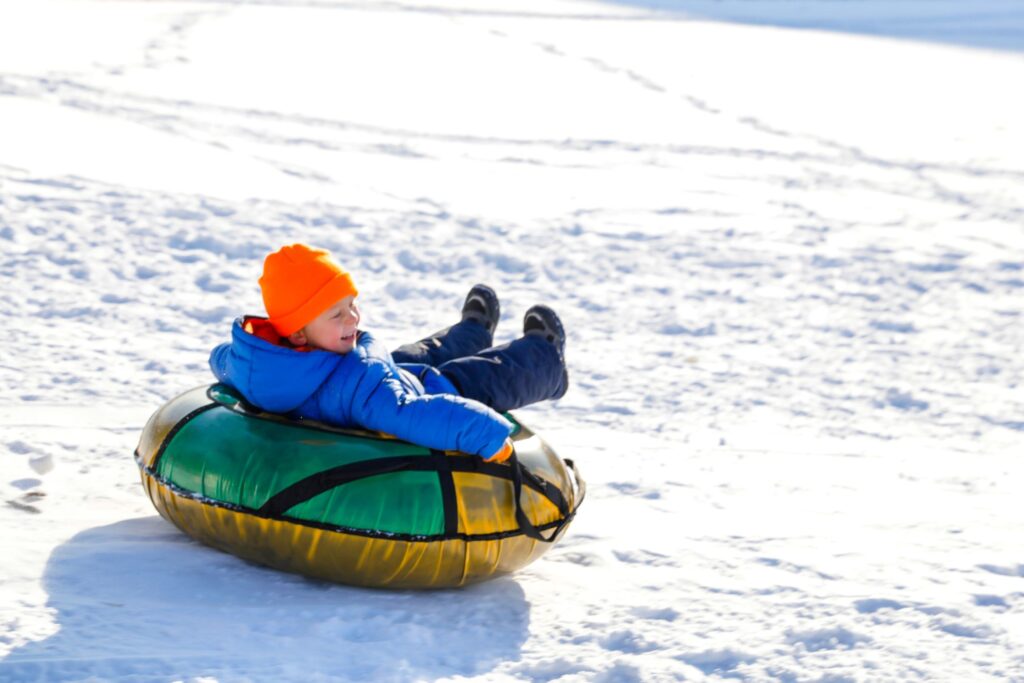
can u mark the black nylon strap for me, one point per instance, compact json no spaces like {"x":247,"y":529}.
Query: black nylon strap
{"x":318,"y":483}
{"x":507,"y":471}
{"x":449,"y":500}
{"x":521,"y":474}
{"x":522,"y":519}
{"x":177,"y":428}
{"x":321,"y":482}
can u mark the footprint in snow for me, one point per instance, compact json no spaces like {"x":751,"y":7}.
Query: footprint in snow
{"x":826,"y":639}
{"x":893,"y":326}
{"x":716,"y":661}
{"x":208,"y":283}
{"x":185,"y":214}
{"x":19,"y":447}
{"x":793,"y":567}
{"x":645,"y":557}
{"x":961,"y":630}
{"x":631,"y":489}
{"x":656,"y":613}
{"x":627,"y":641}
{"x":872,"y":605}
{"x":902,"y":401}
{"x":581,"y":559}
{"x":1011,"y":570}
{"x":991,"y":601}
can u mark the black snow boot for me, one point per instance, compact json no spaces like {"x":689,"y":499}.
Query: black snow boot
{"x":543,"y":321}
{"x":482,"y":306}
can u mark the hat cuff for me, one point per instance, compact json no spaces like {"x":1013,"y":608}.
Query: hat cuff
{"x":331,"y":293}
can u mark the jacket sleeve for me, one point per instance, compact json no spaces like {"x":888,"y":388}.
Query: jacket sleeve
{"x":370,"y":347}
{"x":440,"y":421}
{"x":219,"y":362}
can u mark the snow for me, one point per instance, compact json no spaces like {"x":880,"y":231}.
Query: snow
{"x":786,"y":239}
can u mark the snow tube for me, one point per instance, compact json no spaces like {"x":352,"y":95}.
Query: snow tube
{"x":348,"y":505}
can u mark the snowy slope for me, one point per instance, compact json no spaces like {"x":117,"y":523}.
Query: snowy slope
{"x":790,"y":260}
{"x":990,"y":24}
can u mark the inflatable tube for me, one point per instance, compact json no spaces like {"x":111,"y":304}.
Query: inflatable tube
{"x":348,"y":505}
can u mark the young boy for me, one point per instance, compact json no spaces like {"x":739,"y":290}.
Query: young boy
{"x":309,"y":359}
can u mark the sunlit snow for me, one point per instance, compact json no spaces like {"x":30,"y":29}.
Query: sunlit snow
{"x":786,"y":239}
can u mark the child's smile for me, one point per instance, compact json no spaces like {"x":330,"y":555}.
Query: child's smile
{"x":349,"y":340}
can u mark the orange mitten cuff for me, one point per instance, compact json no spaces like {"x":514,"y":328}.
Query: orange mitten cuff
{"x":503,"y":454}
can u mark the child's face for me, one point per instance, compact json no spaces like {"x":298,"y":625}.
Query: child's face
{"x":334,"y":329}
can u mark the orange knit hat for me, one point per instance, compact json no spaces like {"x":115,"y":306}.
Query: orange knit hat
{"x":299,"y":283}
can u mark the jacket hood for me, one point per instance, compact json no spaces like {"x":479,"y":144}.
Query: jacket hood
{"x":275,"y":377}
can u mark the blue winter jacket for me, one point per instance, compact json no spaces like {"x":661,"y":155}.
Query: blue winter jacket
{"x":362,"y":388}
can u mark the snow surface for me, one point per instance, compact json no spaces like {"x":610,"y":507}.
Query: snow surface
{"x":790,"y":261}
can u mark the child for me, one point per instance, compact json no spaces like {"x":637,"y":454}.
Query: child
{"x":309,"y":359}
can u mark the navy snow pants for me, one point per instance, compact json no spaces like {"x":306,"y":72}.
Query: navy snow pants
{"x":524,"y":371}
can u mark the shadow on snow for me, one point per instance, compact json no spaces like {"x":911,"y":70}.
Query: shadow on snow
{"x":139,"y":599}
